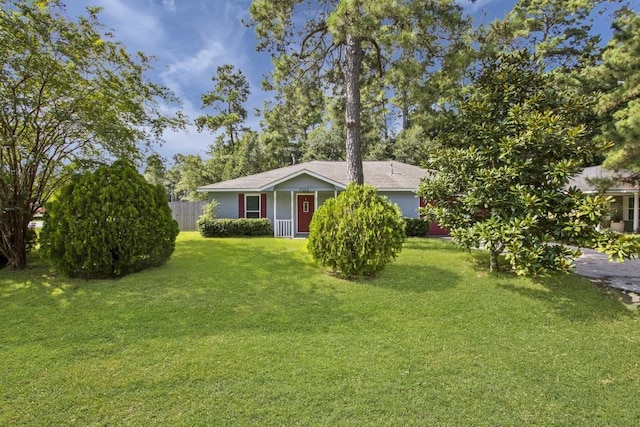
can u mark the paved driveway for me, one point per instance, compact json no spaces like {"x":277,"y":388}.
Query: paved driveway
{"x":625,"y":276}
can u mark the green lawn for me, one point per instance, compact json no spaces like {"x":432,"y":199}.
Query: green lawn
{"x":252,"y":332}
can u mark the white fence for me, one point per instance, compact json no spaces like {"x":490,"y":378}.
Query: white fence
{"x":187,"y":213}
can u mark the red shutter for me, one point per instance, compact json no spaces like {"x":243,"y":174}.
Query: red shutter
{"x":263,"y":205}
{"x":240,"y":205}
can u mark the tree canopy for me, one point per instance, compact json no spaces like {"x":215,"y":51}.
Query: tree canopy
{"x":504,"y":166}
{"x":69,"y":93}
{"x":340,"y":44}
{"x":618,"y":77}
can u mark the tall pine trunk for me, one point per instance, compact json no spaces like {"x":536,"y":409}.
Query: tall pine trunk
{"x":352,"y":111}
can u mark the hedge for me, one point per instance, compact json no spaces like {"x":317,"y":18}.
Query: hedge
{"x":416,"y":227}
{"x":225,"y":227}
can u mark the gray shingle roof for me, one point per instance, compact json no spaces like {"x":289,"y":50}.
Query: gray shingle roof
{"x":599,"y":172}
{"x":383,"y":175}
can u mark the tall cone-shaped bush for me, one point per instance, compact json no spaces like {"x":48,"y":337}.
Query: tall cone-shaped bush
{"x":108,"y":223}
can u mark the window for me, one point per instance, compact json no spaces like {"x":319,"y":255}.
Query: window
{"x":305,"y":207}
{"x":631,"y":210}
{"x":252,"y":206}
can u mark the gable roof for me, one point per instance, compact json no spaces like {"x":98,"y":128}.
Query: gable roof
{"x":619,"y":186}
{"x":383,"y":175}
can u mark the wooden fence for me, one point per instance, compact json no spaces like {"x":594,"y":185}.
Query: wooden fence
{"x":187,"y":213}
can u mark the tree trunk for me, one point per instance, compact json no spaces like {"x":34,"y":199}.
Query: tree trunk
{"x":352,"y":111}
{"x":493,"y":260}
{"x":14,"y":229}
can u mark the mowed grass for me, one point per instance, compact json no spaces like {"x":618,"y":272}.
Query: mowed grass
{"x":251,"y":332}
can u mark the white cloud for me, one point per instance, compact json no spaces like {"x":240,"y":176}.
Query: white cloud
{"x":139,"y":28}
{"x":185,"y":75}
{"x":195,"y":65}
{"x":170,"y":5}
{"x":185,"y":142}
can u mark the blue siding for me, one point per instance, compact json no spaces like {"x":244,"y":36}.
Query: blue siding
{"x":407,"y":202}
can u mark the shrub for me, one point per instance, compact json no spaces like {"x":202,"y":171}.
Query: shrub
{"x":416,"y":227}
{"x":108,"y":223}
{"x":357,"y":233}
{"x":225,"y":227}
{"x":210,"y":210}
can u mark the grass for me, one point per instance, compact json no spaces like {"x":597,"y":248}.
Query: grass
{"x":252,"y":332}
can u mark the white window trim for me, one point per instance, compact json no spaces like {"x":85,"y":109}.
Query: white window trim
{"x":628,"y":210}
{"x":246,"y":204}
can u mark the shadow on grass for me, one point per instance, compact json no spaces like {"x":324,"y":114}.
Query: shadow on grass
{"x":207,"y":287}
{"x":424,"y":278}
{"x":567,"y":294}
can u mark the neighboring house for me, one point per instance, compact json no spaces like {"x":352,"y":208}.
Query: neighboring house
{"x":625,"y":195}
{"x":289,"y":196}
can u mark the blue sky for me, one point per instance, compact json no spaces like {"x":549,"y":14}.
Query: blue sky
{"x":191,"y":38}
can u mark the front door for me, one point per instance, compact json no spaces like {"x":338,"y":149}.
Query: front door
{"x":305,"y":211}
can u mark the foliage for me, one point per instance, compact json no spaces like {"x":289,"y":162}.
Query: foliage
{"x":155,"y":171}
{"x":108,"y":223}
{"x":416,"y":227}
{"x":619,"y":80}
{"x":347,"y":48}
{"x":226,"y":227}
{"x":412,"y":146}
{"x":503,"y":170}
{"x":358,"y":233}
{"x":68,"y":94}
{"x":558,"y":31}
{"x":230,"y":92}
{"x":186,"y":175}
{"x":325,"y":144}
{"x":210,"y":210}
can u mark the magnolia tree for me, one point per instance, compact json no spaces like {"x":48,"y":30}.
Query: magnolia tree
{"x":504,"y":164}
{"x":68,"y":93}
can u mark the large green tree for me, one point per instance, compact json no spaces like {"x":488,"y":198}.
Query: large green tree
{"x":229,"y":94}
{"x":558,"y":31}
{"x":503,"y":168}
{"x":618,"y":77}
{"x":68,"y":92}
{"x":187,"y":174}
{"x":338,"y":43}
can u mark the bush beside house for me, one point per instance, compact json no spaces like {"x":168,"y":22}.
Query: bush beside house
{"x":226,"y":227}
{"x":357,"y":233}
{"x":416,"y":227}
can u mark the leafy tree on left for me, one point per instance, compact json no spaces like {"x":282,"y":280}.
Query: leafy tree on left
{"x":68,"y":94}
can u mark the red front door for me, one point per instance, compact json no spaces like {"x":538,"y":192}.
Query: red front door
{"x":305,"y":212}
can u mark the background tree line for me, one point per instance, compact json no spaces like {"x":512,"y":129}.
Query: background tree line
{"x":414,"y":58}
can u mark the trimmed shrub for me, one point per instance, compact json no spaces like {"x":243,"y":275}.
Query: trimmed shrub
{"x":357,"y":233}
{"x":108,"y":223}
{"x":416,"y":227}
{"x":226,"y":227}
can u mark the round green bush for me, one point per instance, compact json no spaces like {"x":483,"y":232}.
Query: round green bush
{"x":357,"y":233}
{"x":108,"y":223}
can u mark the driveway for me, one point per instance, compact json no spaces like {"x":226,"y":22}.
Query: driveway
{"x":624,"y":276}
